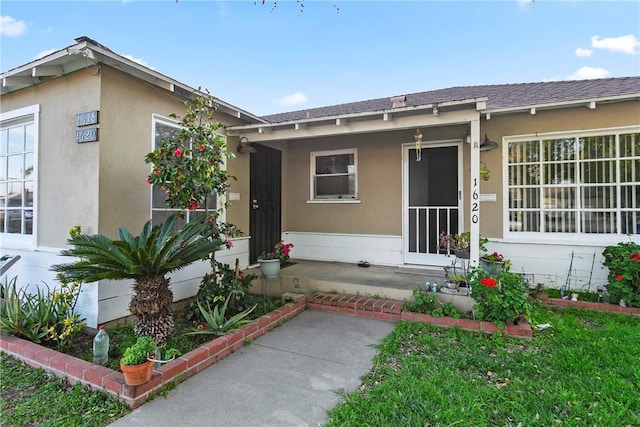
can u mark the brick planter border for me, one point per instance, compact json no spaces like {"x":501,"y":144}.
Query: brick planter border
{"x":386,"y":309}
{"x":598,"y":306}
{"x":112,"y":382}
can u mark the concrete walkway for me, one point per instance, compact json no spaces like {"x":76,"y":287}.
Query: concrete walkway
{"x":288,"y":377}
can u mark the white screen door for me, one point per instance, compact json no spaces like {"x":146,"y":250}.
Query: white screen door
{"x":432,"y":202}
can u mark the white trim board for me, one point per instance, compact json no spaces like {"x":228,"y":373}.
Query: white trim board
{"x":349,"y":248}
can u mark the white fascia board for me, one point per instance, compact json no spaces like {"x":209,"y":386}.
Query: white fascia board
{"x":363,"y":126}
{"x":564,"y":104}
{"x":380,"y":115}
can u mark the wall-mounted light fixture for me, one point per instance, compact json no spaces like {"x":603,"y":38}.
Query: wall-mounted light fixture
{"x":435,"y":110}
{"x":487,"y":144}
{"x":244,"y":146}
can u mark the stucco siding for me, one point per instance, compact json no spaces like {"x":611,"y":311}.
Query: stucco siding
{"x":67,"y":171}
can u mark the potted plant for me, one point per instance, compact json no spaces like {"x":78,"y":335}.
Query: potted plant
{"x":494,"y":263}
{"x":463,"y":244}
{"x":137,"y":361}
{"x":270,"y":261}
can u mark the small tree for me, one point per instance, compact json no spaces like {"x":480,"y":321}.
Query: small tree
{"x":189,"y":165}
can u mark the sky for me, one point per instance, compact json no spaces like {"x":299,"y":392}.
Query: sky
{"x":276,"y":57}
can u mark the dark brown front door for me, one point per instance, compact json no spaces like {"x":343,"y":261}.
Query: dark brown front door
{"x":265,"y":202}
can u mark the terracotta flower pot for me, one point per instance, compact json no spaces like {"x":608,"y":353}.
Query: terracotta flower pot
{"x":137,"y":374}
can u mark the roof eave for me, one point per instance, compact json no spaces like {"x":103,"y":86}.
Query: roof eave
{"x":85,"y":53}
{"x":478,"y":104}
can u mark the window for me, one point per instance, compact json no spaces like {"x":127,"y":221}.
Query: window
{"x":18,"y":142}
{"x":334,"y":175}
{"x":164,"y":128}
{"x":575,"y":183}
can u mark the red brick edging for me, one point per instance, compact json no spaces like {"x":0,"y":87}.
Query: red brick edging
{"x":598,"y":306}
{"x":387,"y":309}
{"x":112,"y":382}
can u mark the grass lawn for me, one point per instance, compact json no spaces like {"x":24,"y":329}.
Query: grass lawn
{"x":30,"y":396}
{"x":583,"y":371}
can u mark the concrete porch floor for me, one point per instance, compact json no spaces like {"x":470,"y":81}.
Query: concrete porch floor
{"x":304,"y":276}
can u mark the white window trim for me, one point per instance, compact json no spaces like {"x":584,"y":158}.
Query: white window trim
{"x":556,"y":238}
{"x":312,"y":173}
{"x":31,"y":114}
{"x":157,"y":118}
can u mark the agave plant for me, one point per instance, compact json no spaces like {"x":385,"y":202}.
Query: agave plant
{"x":146,"y":259}
{"x":217,"y":322}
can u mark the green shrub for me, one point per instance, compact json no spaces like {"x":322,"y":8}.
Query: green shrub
{"x":502,"y":299}
{"x":423,"y":302}
{"x":214,"y":288}
{"x":428,"y":303}
{"x":623,"y":262}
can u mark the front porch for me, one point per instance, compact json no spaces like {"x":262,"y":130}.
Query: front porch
{"x":305,"y":276}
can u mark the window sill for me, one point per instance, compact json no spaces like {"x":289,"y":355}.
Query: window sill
{"x":334,"y":201}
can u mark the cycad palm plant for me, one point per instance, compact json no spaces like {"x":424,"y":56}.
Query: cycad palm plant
{"x":146,"y":259}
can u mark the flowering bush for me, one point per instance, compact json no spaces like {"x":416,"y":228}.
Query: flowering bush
{"x":501,"y":299}
{"x":623,"y":262}
{"x":281,"y":251}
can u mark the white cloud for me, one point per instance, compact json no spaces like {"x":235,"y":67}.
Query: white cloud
{"x":586,"y":73}
{"x":624,"y":44}
{"x":44,"y":53}
{"x":583,"y":52}
{"x":138,"y":60}
{"x":11,"y":27}
{"x":293,"y":99}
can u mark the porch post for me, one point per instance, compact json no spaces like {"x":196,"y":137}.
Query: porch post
{"x":474,"y":194}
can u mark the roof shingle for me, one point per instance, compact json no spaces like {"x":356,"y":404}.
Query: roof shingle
{"x":499,"y":96}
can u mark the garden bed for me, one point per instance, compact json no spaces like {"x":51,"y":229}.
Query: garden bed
{"x":101,"y":378}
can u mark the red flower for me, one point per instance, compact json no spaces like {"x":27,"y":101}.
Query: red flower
{"x":229,"y":244}
{"x":177,"y":152}
{"x":635,"y":257}
{"x":618,"y":277}
{"x":149,"y":181}
{"x":201,"y":147}
{"x":157,"y":172}
{"x":193,"y":206}
{"x":490,"y":283}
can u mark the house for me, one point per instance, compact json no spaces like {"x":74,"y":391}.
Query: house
{"x":375,"y":180}
{"x":75,"y":126}
{"x":379,"y":180}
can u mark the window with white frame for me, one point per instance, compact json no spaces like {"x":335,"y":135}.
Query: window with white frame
{"x":334,"y":175}
{"x":582,"y":183}
{"x":18,"y":142}
{"x":164,"y":128}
